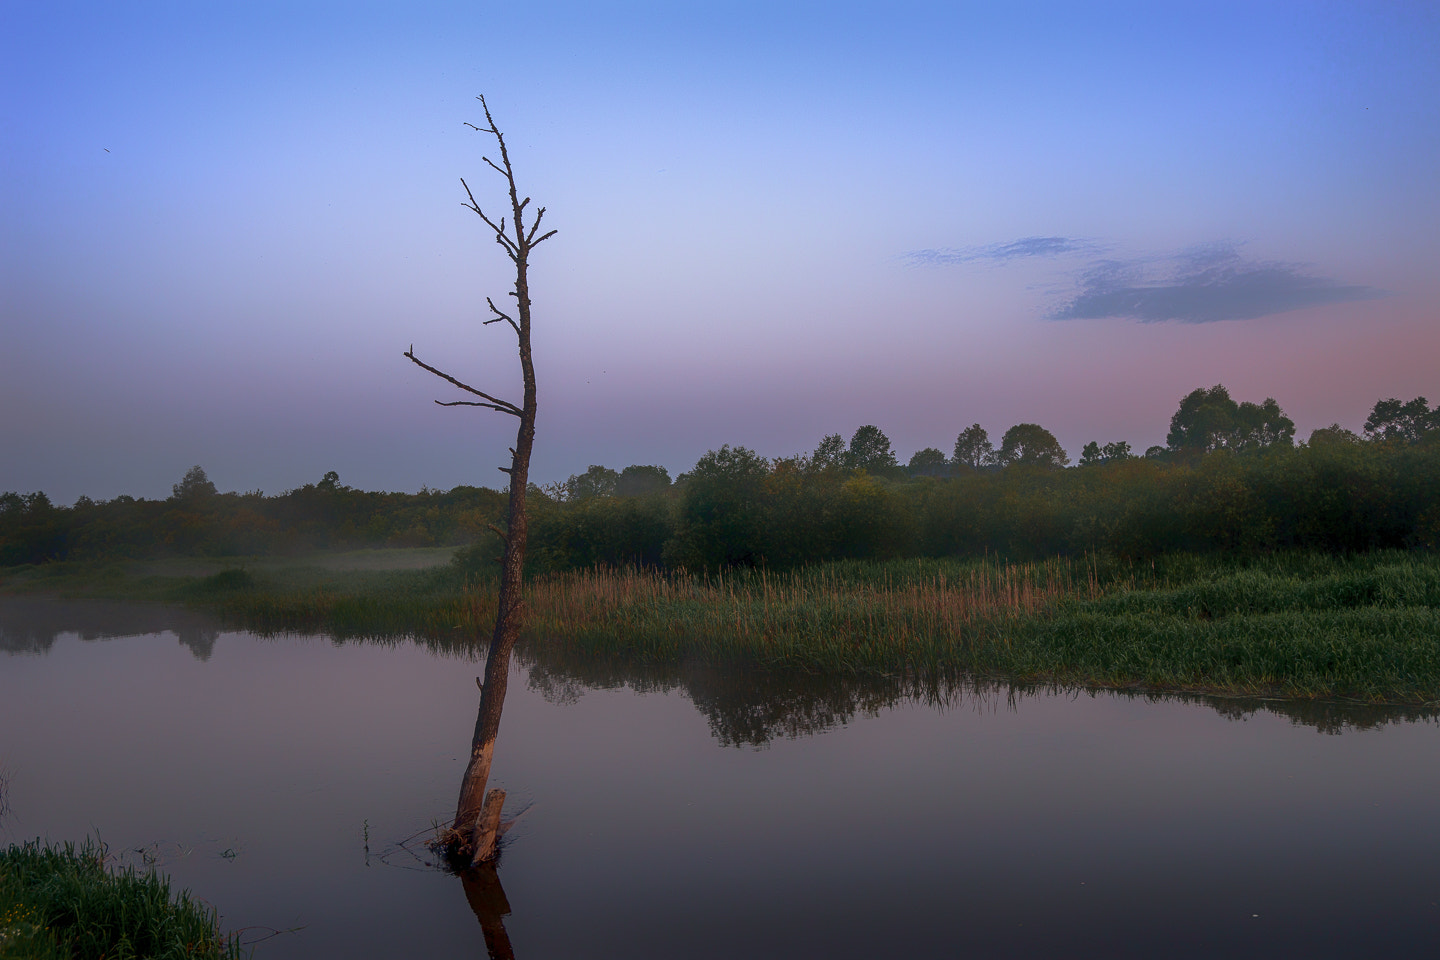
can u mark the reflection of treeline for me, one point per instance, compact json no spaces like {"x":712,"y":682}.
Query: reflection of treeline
{"x":752,"y":708}
{"x":198,"y":520}
{"x":742,"y":706}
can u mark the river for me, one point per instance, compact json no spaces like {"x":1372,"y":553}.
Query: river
{"x":291,"y":781}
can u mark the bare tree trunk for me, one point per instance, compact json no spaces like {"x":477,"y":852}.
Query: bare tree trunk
{"x":468,"y":829}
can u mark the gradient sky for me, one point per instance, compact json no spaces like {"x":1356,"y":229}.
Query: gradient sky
{"x":222,"y":224}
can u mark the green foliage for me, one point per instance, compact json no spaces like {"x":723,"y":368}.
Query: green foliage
{"x":195,"y":522}
{"x":1290,"y":623}
{"x":1031,"y":445}
{"x":194,"y":485}
{"x":830,"y":454}
{"x":1210,"y":420}
{"x":929,"y":462}
{"x":638,"y":480}
{"x":1254,"y":492}
{"x":61,"y":902}
{"x":1403,"y":422}
{"x":1297,"y":624}
{"x":1093,"y":454}
{"x":973,"y":448}
{"x":721,"y":514}
{"x":598,"y":481}
{"x":870,"y":451}
{"x":616,"y":530}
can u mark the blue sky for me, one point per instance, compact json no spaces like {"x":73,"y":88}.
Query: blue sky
{"x":222,"y":224}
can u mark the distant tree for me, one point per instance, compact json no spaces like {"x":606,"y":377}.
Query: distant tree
{"x":721,"y":510}
{"x":1093,"y":454}
{"x":973,"y":448}
{"x":927,"y":463}
{"x":637,"y":480}
{"x":1205,"y":420}
{"x":1155,"y":451}
{"x":870,"y":451}
{"x":329,"y":482}
{"x":1332,"y":434}
{"x":193,"y":486}
{"x":830,"y":454}
{"x":1262,"y":425}
{"x":1210,"y":420}
{"x":1029,"y":444}
{"x":1408,"y":422}
{"x":598,"y":481}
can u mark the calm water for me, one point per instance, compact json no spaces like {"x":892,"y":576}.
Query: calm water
{"x":695,"y":814}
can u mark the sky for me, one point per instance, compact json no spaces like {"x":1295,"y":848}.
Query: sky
{"x":222,"y":224}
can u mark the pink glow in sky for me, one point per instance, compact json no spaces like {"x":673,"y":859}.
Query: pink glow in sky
{"x":220,"y":226}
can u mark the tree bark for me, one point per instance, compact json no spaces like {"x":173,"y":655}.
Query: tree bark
{"x":487,"y":828}
{"x":510,"y":613}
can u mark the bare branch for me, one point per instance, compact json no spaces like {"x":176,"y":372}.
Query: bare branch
{"x":547,"y":236}
{"x":488,"y":119}
{"x":503,"y":173}
{"x":500,"y":236}
{"x":504,"y":406}
{"x":498,"y":532}
{"x":475,"y":403}
{"x":539,"y":215}
{"x":500,"y":315}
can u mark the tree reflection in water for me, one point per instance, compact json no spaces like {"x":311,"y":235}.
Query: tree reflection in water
{"x":743,"y":707}
{"x":752,"y":708}
{"x":487,"y":901}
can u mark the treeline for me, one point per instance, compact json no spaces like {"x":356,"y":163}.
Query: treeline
{"x":197,"y":520}
{"x":1231,"y":477}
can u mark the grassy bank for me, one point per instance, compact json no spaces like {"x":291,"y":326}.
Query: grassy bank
{"x":1363,"y":627}
{"x":61,"y":903}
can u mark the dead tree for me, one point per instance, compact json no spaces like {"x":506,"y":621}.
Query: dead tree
{"x":477,"y":814}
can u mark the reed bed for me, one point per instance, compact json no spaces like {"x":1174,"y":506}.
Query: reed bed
{"x":824,"y":619}
{"x":1363,"y":627}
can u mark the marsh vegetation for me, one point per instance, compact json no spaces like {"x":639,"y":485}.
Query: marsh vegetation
{"x":68,"y":902}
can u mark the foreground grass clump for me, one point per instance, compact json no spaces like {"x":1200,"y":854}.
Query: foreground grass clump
{"x":61,"y":902}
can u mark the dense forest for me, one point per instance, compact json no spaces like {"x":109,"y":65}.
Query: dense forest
{"x":1231,"y":477}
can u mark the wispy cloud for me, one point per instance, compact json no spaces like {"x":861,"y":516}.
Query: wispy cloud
{"x":1204,"y":285}
{"x":1003,"y":252}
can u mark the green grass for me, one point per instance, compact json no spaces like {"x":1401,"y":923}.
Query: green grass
{"x":62,"y":903}
{"x":1363,"y":627}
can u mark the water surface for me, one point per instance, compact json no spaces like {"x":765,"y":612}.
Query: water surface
{"x":703,"y":814}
